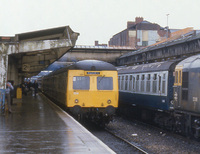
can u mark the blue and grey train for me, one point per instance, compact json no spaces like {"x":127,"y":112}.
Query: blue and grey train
{"x":167,"y":92}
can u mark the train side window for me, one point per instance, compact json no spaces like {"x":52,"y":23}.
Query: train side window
{"x":155,"y":76}
{"x":133,"y":83}
{"x":163,"y":83}
{"x":81,"y":82}
{"x":122,"y":82}
{"x":154,"y":83}
{"x":163,"y":86}
{"x":126,"y":83}
{"x":119,"y":81}
{"x":159,"y":83}
{"x":104,"y":83}
{"x":137,"y":82}
{"x":164,"y":76}
{"x":130,"y":82}
{"x":142,"y":82}
{"x":148,"y":84}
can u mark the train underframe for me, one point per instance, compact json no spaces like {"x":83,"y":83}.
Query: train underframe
{"x":100,"y":116}
{"x":184,"y":123}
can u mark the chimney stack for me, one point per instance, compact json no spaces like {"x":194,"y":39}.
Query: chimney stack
{"x":138,"y":19}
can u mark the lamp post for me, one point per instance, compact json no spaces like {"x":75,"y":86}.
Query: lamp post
{"x":167,"y":24}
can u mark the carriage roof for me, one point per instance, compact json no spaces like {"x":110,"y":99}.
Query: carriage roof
{"x":151,"y":67}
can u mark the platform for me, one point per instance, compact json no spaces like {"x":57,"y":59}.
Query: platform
{"x":36,"y":125}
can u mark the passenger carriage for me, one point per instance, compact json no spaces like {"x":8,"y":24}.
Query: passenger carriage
{"x":147,"y":85}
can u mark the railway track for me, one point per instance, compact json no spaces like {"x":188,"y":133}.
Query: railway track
{"x":134,"y":145}
{"x":114,"y":141}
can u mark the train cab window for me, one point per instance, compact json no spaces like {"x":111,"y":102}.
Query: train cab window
{"x":148,"y":85}
{"x":126,"y":83}
{"x":81,"y":82}
{"x":178,"y":77}
{"x":104,"y":83}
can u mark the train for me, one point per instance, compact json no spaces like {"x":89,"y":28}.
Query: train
{"x":167,"y":93}
{"x":88,"y":89}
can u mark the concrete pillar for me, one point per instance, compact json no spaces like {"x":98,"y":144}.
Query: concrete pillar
{"x":3,"y":64}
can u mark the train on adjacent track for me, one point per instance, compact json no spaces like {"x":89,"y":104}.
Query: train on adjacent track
{"x":88,"y":88}
{"x":167,"y":92}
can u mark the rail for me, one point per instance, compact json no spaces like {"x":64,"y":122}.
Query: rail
{"x":140,"y":150}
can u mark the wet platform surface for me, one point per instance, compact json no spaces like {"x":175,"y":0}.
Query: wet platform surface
{"x":38,"y":126}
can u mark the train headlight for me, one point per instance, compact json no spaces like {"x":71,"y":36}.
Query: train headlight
{"x":76,"y":101}
{"x":171,"y":105}
{"x":109,"y":101}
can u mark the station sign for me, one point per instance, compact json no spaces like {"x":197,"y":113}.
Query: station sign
{"x":26,"y":67}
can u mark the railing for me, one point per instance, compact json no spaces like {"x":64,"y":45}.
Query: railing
{"x":2,"y":100}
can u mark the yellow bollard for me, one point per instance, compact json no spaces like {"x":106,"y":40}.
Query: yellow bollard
{"x":19,"y":93}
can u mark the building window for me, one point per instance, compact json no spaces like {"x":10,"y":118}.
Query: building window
{"x":144,"y":43}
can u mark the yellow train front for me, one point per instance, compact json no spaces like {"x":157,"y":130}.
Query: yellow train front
{"x":89,"y":88}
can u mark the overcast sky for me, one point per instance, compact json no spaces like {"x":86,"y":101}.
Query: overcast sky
{"x":94,"y":19}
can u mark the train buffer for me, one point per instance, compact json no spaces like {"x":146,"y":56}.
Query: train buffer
{"x":36,"y":125}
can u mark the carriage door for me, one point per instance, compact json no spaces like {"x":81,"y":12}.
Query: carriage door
{"x":178,"y":87}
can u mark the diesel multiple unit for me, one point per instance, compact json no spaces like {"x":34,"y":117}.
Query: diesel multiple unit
{"x":88,"y":88}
